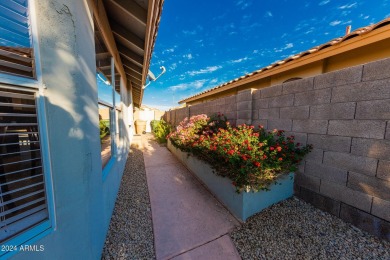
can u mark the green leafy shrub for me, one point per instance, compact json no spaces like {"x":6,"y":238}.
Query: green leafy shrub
{"x":252,"y":159}
{"x":160,"y":130}
{"x":153,"y":124}
{"x":104,"y":129}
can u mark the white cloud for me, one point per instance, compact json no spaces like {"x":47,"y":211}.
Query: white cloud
{"x":239,"y":60}
{"x":310,"y":30}
{"x":334,"y":23}
{"x":173,"y":66}
{"x":324,"y":2}
{"x":188,"y":56}
{"x":287,"y":46}
{"x":243,"y":4}
{"x":346,"y":12}
{"x":347,"y":6}
{"x":170,"y":50}
{"x":204,"y":71}
{"x":255,"y":51}
{"x":197,"y":84}
{"x":186,"y":32}
{"x":213,"y":81}
{"x":268,"y":14}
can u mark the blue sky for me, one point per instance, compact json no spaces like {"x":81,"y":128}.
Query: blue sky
{"x":205,"y":43}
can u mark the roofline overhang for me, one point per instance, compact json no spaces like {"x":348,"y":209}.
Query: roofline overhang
{"x":152,"y":23}
{"x":100,"y":16}
{"x":358,"y":41}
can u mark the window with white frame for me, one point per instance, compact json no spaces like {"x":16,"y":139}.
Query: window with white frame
{"x":23,"y":202}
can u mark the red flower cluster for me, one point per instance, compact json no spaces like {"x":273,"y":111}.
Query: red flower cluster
{"x":250,"y":158}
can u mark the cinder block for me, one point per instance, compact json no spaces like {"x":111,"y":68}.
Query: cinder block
{"x":294,"y":112}
{"x":262,"y":123}
{"x":230,"y":106}
{"x":351,"y":162}
{"x":365,"y":221}
{"x":310,"y":126}
{"x":230,"y":99}
{"x":377,"y":70}
{"x":373,"y":148}
{"x":383,"y":171}
{"x":281,"y":101}
{"x":231,"y":115}
{"x":296,"y":86}
{"x":280,"y":124}
{"x":373,"y":109}
{"x":319,"y":201}
{"x":326,"y":172}
{"x":244,"y":105}
{"x":338,"y":78}
{"x":369,"y":185}
{"x":315,"y":155}
{"x":344,"y":194}
{"x":272,"y":91}
{"x":313,"y":97}
{"x":255,"y":114}
{"x":357,"y":128}
{"x":260,"y":103}
{"x":309,"y":182}
{"x":243,"y":121}
{"x":256,"y":94}
{"x":300,"y":138}
{"x":244,"y":114}
{"x":379,"y":89}
{"x":333,"y":111}
{"x":301,"y":167}
{"x":269,"y":113}
{"x":245,"y":95}
{"x":330,"y":143}
{"x":381,"y":208}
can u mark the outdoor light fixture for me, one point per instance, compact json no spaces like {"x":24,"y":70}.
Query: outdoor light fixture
{"x":151,"y":76}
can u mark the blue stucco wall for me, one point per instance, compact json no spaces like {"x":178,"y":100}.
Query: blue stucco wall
{"x":83,"y":200}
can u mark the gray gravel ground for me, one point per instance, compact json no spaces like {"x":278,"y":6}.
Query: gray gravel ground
{"x":130,"y":235}
{"x":294,"y":229}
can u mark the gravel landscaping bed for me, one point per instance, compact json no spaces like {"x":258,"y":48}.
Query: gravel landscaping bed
{"x":130,"y":234}
{"x":294,"y":229}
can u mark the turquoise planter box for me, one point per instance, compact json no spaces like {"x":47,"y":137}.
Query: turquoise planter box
{"x":241,"y":205}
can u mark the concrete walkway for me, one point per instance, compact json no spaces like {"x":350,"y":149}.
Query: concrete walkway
{"x":188,"y":222}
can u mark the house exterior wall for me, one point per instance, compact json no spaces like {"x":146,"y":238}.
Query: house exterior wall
{"x":84,"y":194}
{"x":345,"y":114}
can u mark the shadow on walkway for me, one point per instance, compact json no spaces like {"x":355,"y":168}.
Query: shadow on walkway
{"x":188,"y":222}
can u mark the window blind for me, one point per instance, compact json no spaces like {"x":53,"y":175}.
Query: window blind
{"x":22,"y":185}
{"x":16,"y":52}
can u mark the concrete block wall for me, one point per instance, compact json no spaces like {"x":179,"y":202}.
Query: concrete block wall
{"x":345,"y":115}
{"x":226,"y":106}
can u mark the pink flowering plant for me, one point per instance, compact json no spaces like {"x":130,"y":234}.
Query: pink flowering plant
{"x":252,"y":159}
{"x":188,"y":131}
